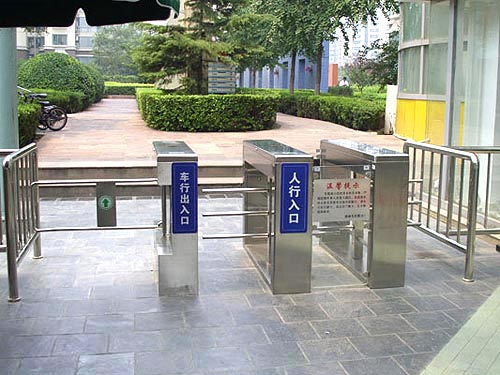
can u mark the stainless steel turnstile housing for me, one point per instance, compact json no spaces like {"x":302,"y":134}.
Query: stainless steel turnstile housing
{"x":177,"y":241}
{"x":282,"y":256}
{"x":385,"y":248}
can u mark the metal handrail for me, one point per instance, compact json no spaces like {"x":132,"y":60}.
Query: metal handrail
{"x":487,"y":151}
{"x":22,"y":217}
{"x":22,"y":212}
{"x":446,"y":185}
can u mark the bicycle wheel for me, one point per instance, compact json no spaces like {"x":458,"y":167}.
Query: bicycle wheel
{"x":57,"y":119}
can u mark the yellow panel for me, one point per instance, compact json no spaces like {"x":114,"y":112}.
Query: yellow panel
{"x":403,"y":122}
{"x":436,"y":112}
{"x":421,"y":120}
{"x":419,"y":131}
{"x":410,"y":118}
{"x":461,"y":130}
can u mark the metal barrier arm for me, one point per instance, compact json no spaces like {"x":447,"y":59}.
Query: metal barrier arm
{"x":472,"y":199}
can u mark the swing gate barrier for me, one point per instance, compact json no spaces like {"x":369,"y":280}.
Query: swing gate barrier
{"x":277,"y":186}
{"x":361,"y":199}
{"x":364,"y":199}
{"x":22,"y":211}
{"x":360,"y":203}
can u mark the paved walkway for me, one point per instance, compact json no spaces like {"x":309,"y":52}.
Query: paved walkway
{"x":90,"y":306}
{"x":475,"y":349}
{"x":112,"y":133}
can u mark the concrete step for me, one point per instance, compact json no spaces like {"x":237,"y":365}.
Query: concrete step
{"x":208,"y":176}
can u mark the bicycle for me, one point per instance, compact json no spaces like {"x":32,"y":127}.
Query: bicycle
{"x":52,"y":116}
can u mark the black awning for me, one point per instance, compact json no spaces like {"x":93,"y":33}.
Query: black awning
{"x":23,"y":13}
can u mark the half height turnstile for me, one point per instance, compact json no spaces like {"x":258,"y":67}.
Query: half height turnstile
{"x":177,"y":241}
{"x":279,"y":183}
{"x":364,"y":209}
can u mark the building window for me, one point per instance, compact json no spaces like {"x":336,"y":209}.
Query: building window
{"x":85,"y":59}
{"x":86,"y":42}
{"x":36,"y":41}
{"x":412,"y":21}
{"x":83,"y":27}
{"x":435,"y":57}
{"x":60,"y":40}
{"x":424,"y":48}
{"x":409,"y":82}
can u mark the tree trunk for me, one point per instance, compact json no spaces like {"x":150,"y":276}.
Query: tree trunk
{"x":291,"y":83}
{"x":319,"y":63}
{"x":253,"y":78}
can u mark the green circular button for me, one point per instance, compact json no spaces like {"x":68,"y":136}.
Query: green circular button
{"x":105,"y":202}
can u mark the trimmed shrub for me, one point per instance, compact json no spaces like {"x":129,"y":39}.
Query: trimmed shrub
{"x":28,"y":115}
{"x":72,"y":102}
{"x":308,"y":106}
{"x":352,"y":112}
{"x":98,"y":82}
{"x":207,"y":113}
{"x":119,"y":78}
{"x":341,"y":90}
{"x":59,"y":72}
{"x":120,"y":88}
{"x":142,"y":94}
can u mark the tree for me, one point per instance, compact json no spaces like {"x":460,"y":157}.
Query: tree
{"x":113,"y":47}
{"x":309,"y":23}
{"x":187,"y":49}
{"x":360,"y":70}
{"x":384,"y":66}
{"x":283,"y":36}
{"x":250,"y":47}
{"x":376,"y":64}
{"x":171,"y":50}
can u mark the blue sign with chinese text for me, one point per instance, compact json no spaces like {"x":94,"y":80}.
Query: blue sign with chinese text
{"x":294,"y":197}
{"x":184,"y":198}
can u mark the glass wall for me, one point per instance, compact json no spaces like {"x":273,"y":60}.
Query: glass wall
{"x":424,"y":49}
{"x":476,"y":96}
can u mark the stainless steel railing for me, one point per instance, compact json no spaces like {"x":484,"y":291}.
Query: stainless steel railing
{"x":443,"y":196}
{"x":3,"y":241}
{"x":20,"y":170}
{"x":487,"y":223}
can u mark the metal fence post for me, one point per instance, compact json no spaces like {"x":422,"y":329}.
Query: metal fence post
{"x":11,"y":236}
{"x":472,"y":219}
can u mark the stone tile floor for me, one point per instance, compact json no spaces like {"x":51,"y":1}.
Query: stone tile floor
{"x":90,"y":306}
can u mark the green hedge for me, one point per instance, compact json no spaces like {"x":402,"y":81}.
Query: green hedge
{"x":207,"y":113}
{"x":59,"y":72}
{"x":121,"y":88}
{"x":28,"y":115}
{"x":72,"y":102}
{"x":98,"y":82}
{"x":341,"y":90}
{"x":353,"y":112}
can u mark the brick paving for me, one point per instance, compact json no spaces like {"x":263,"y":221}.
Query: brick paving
{"x":90,"y":306}
{"x":113,"y":133}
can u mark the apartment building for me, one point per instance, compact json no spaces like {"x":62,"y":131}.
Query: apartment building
{"x":363,"y":36}
{"x":76,"y":40}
